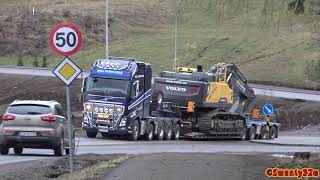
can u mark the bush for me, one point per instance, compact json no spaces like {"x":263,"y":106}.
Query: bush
{"x":44,"y":62}
{"x":35,"y":62}
{"x":313,"y":70}
{"x":20,"y":62}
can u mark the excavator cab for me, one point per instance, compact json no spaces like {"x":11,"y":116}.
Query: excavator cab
{"x":218,"y":89}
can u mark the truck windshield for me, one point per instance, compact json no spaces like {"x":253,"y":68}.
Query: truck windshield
{"x":107,"y":87}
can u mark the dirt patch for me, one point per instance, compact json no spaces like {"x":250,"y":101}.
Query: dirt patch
{"x":293,"y":114}
{"x":49,"y":169}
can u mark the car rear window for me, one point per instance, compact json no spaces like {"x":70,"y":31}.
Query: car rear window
{"x":30,"y":109}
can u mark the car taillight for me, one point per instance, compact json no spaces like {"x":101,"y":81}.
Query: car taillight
{"x":8,"y":132}
{"x":49,"y":118}
{"x":8,"y":117}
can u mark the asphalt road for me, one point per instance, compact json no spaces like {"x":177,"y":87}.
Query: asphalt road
{"x":263,"y":90}
{"x":192,"y":167}
{"x":109,"y":146}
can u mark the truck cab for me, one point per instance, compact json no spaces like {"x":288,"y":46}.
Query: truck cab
{"x":116,"y":92}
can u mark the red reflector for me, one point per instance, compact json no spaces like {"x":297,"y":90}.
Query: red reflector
{"x":49,"y":118}
{"x":194,"y":89}
{"x":8,"y":117}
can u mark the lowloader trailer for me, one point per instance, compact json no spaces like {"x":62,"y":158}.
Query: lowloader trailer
{"x":211,"y":104}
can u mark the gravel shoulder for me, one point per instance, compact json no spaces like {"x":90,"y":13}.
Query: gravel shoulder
{"x":59,"y":167}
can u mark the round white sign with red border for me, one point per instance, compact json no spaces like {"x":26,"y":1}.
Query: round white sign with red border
{"x":65,"y":39}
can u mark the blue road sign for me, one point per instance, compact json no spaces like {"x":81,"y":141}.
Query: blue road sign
{"x":268,"y":109}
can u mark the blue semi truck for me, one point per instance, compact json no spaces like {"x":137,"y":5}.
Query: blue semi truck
{"x":117,"y":101}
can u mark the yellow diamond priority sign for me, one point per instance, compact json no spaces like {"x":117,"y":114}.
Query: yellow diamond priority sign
{"x":67,"y":71}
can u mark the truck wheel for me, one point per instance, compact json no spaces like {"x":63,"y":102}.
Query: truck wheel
{"x":91,"y":134}
{"x":18,"y":150}
{"x":135,"y":131}
{"x":273,"y":133}
{"x":264,"y":133}
{"x":160,"y":135}
{"x":251,"y":133}
{"x":177,"y":130}
{"x":150,"y":133}
{"x":4,"y":150}
{"x":168,"y":132}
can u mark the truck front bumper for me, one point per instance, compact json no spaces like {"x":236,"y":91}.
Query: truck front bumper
{"x":117,"y":131}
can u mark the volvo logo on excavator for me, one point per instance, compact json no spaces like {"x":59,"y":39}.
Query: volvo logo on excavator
{"x":178,"y":89}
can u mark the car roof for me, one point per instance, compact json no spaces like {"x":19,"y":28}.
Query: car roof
{"x":36,"y":102}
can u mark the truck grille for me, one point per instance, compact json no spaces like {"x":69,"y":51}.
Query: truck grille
{"x":107,"y":114}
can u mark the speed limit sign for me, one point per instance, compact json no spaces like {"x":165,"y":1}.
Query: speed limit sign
{"x":65,"y":39}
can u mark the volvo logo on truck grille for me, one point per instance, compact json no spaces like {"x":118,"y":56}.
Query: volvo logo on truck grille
{"x":173,"y":88}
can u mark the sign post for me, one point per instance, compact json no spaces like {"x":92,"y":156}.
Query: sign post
{"x":65,"y":39}
{"x":268,"y":110}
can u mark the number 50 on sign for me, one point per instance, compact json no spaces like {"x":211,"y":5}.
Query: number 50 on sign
{"x":65,"y":39}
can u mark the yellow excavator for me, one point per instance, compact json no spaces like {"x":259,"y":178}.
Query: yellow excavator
{"x":211,"y":104}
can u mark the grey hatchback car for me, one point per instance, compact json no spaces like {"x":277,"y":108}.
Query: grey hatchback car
{"x":34,"y":124}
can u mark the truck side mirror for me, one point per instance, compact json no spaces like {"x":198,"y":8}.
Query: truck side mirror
{"x":84,"y":84}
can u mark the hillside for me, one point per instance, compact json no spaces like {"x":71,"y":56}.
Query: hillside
{"x":267,"y":42}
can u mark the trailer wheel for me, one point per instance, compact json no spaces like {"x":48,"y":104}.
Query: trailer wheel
{"x":168,"y":131}
{"x":135,"y":131}
{"x":251,"y":133}
{"x":4,"y":150}
{"x":264,"y":133}
{"x":177,"y":130}
{"x":244,"y":135}
{"x":91,"y":134}
{"x":273,"y":133}
{"x":150,"y":133}
{"x":160,"y":135}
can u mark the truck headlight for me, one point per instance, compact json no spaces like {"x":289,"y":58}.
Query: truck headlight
{"x":87,"y":107}
{"x":123,"y":122}
{"x":119,"y":109}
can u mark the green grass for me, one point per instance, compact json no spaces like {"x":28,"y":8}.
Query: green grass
{"x":274,"y":47}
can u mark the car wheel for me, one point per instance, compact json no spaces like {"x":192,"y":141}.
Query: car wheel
{"x":91,"y":134}
{"x":58,"y":151}
{"x":4,"y":150}
{"x":150,"y":133}
{"x":177,"y":130}
{"x":135,"y":131}
{"x":168,"y":132}
{"x":18,"y":150}
{"x":160,"y":135}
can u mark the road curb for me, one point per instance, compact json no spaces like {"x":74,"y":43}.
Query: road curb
{"x":283,"y":144}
